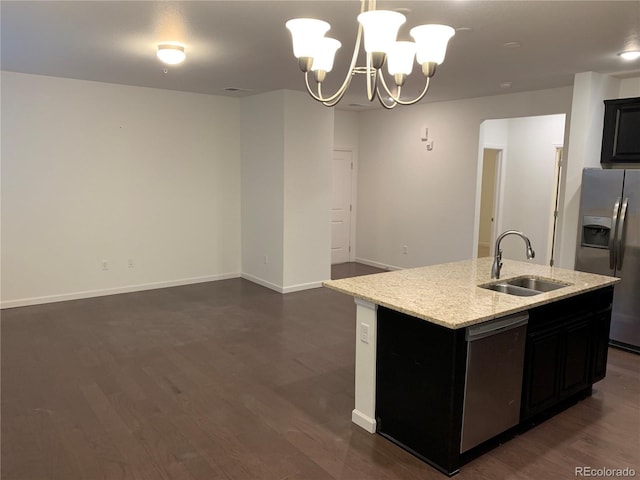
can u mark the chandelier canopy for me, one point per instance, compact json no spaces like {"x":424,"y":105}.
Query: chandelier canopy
{"x":316,"y":53}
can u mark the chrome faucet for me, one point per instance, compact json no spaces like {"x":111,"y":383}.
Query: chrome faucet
{"x":497,"y":260}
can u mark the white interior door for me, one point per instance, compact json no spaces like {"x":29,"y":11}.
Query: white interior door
{"x":341,"y":206}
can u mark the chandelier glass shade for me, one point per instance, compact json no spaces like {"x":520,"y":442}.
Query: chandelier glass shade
{"x":316,"y":53}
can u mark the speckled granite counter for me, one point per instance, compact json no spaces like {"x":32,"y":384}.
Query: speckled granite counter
{"x":448,"y":294}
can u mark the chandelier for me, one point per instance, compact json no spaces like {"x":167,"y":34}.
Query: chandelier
{"x":316,"y":53}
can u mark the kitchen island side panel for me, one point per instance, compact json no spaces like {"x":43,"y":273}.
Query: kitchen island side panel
{"x":420,"y":387}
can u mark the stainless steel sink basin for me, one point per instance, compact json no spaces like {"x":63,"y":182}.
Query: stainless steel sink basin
{"x":524,"y":286}
{"x":539,"y":284}
{"x":511,"y":289}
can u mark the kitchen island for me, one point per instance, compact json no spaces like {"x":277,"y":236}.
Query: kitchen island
{"x":412,"y":347}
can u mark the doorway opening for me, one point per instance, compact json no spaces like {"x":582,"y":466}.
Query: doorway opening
{"x":488,"y":201}
{"x":528,"y":184}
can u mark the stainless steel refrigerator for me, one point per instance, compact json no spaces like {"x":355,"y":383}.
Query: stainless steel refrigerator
{"x":609,"y":244}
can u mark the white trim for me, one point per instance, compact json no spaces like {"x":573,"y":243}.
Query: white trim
{"x":23,"y":302}
{"x":362,"y":420}
{"x":365,"y":303}
{"x":301,"y":286}
{"x":498,"y":199}
{"x":555,"y":201}
{"x":280,"y":289}
{"x":260,"y":281}
{"x":371,"y":263}
{"x":364,"y":412}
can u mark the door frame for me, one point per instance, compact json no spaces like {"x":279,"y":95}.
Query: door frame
{"x":497,"y":196}
{"x":555,"y":204}
{"x":354,"y":196}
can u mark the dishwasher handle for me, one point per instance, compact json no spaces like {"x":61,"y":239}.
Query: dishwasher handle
{"x":503,"y":324}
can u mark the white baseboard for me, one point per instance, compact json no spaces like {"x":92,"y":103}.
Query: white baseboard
{"x":301,"y":286}
{"x":23,"y":302}
{"x":363,"y":421}
{"x":262,"y":282}
{"x":371,"y":263}
{"x":279,"y":288}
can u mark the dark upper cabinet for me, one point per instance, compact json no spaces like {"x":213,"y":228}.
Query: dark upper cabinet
{"x":621,"y":132}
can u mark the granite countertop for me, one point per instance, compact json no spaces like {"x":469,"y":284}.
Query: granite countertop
{"x":448,"y":294}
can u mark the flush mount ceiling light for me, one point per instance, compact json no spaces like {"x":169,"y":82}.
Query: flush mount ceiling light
{"x":316,"y":53}
{"x":630,"y":54}
{"x":171,"y":54}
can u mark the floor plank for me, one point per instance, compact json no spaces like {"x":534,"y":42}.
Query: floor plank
{"x":228,"y":380}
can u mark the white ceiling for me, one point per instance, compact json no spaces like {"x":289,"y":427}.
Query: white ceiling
{"x":244,"y":44}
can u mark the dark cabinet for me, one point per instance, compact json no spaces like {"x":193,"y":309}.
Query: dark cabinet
{"x":542,"y":369}
{"x":421,"y":373}
{"x":566,"y":350}
{"x":621,"y":132}
{"x":601,"y":325}
{"x":575,"y":357}
{"x":420,"y":386}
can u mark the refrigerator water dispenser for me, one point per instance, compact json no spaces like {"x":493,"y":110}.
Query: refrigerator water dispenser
{"x":596,"y":231}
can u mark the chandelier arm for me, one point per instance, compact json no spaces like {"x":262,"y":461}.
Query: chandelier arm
{"x":397,"y":98}
{"x":389,"y":106}
{"x":372,"y":79}
{"x":387,"y":90}
{"x":421,"y":96}
{"x":311,"y":92}
{"x":393,"y":103}
{"x":327,"y":102}
{"x":315,"y":96}
{"x":331,"y":103}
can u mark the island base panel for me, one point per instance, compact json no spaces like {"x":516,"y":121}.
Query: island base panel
{"x":420,"y":387}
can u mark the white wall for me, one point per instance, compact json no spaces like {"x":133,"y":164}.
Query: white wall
{"x":629,"y":87}
{"x":287,"y":144}
{"x":489,"y":160}
{"x":262,"y":133}
{"x":494,"y":134}
{"x":346,"y":129}
{"x":307,"y":192}
{"x":94,"y":171}
{"x":529,"y":183}
{"x":427,"y":200}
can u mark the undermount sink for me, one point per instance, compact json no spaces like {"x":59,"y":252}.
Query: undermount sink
{"x":511,"y":289}
{"x":533,"y":283}
{"x":524,"y":286}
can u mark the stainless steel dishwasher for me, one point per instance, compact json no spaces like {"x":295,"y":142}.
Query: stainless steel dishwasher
{"x":493,"y":384}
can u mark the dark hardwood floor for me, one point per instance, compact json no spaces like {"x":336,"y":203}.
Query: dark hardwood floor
{"x":229,"y":380}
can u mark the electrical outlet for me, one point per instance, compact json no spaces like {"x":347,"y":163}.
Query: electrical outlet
{"x":130,"y":263}
{"x":364,"y":333}
{"x":105,"y":265}
{"x":405,"y":250}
